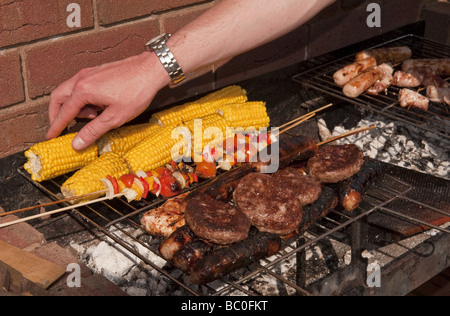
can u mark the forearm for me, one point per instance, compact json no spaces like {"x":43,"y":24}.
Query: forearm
{"x":123,"y":89}
{"x":233,"y":27}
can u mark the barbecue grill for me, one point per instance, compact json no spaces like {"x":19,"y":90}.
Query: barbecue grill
{"x":397,"y":209}
{"x":435,"y":120}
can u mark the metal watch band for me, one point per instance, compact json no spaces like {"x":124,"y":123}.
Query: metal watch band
{"x":158,"y":45}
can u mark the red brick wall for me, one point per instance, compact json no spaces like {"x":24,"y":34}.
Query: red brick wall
{"x":38,"y":50}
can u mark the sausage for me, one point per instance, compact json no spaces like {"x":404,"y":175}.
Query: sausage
{"x":363,"y":81}
{"x":386,"y":54}
{"x":345,"y":74}
{"x":408,"y":98}
{"x":326,"y":202}
{"x":407,"y":80}
{"x":291,"y":149}
{"x":437,"y":94}
{"x":381,"y":85}
{"x":226,"y":259}
{"x":439,"y":67}
{"x":222,"y":187}
{"x":192,"y":251}
{"x":313,"y":212}
{"x":352,"y":190}
{"x":384,"y":82}
{"x":207,"y":262}
{"x":175,"y":241}
{"x":434,"y":80}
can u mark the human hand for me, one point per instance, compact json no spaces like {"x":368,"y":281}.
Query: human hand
{"x":121,"y":90}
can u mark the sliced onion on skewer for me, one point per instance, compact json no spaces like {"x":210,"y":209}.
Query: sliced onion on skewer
{"x":109,"y":186}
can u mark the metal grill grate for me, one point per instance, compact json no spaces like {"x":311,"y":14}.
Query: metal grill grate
{"x":435,"y":120}
{"x":387,"y":197}
{"x":387,"y":192}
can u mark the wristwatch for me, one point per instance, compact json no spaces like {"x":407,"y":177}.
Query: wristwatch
{"x":159,"y":46}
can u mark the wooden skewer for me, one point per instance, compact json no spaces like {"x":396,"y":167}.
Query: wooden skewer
{"x":25,"y":219}
{"x":53,"y":203}
{"x":292,"y":124}
{"x":306,"y":115}
{"x":304,"y":119}
{"x":356,"y":131}
{"x":297,"y":121}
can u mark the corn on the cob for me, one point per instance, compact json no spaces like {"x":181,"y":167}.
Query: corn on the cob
{"x":246,"y":115}
{"x":124,"y":138}
{"x":202,"y":107}
{"x":88,"y":179}
{"x":156,"y":150}
{"x":210,"y":130}
{"x":55,"y":157}
{"x":152,"y":152}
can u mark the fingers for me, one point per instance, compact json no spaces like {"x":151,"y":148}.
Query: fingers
{"x":92,"y":131}
{"x":62,"y":93}
{"x":87,"y":113}
{"x":66,"y":113}
{"x":58,"y":97}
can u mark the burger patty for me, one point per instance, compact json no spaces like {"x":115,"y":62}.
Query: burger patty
{"x":270,"y":203}
{"x":216,"y":221}
{"x":307,"y":187}
{"x":334,"y":163}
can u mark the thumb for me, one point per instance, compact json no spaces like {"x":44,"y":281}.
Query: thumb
{"x":92,"y":131}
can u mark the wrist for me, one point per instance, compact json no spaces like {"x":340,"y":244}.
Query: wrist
{"x":159,"y":46}
{"x":153,"y":68}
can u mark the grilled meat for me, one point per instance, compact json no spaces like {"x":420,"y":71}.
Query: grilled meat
{"x":430,"y":79}
{"x":191,"y":252}
{"x":216,"y":221}
{"x":407,"y":80}
{"x":175,"y":241}
{"x":352,"y":189}
{"x":222,"y":187}
{"x":326,"y":202}
{"x":165,"y":219}
{"x":365,"y":80}
{"x":408,"y":98}
{"x":347,"y":73}
{"x":291,"y":149}
{"x":381,"y":85}
{"x":436,"y":94}
{"x":439,"y":67}
{"x":226,"y":259}
{"x":334,"y":163}
{"x":308,"y":188}
{"x":386,"y":54}
{"x":270,"y":203}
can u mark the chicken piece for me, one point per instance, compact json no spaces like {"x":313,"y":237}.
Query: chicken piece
{"x":164,"y":220}
{"x":408,"y":98}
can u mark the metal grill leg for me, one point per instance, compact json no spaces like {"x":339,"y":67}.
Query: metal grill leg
{"x":359,"y":243}
{"x":301,"y":264}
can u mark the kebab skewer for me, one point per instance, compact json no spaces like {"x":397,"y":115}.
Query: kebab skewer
{"x":132,"y":186}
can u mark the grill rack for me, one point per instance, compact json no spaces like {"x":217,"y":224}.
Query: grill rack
{"x":435,"y":120}
{"x":387,"y":189}
{"x":351,"y":229}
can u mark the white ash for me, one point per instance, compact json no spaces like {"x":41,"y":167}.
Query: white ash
{"x":399,"y":144}
{"x":138,"y":279}
{"x":125,"y":269}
